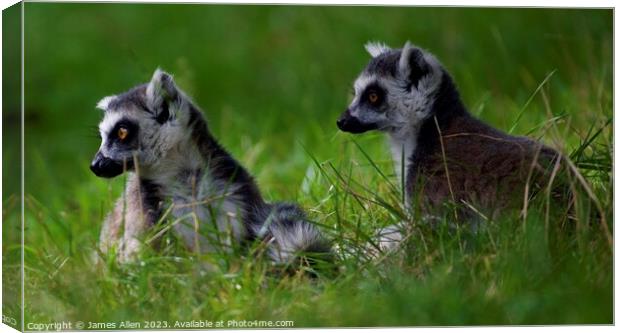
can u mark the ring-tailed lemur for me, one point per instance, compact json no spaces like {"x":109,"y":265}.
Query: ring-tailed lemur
{"x":155,"y":132}
{"x":448,"y":154}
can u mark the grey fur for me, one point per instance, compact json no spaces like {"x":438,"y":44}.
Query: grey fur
{"x":173,"y":159}
{"x":410,"y":78}
{"x":449,"y":155}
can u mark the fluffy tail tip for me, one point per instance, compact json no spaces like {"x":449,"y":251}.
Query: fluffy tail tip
{"x":292,"y":238}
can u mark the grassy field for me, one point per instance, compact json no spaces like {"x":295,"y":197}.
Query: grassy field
{"x":272,"y":81}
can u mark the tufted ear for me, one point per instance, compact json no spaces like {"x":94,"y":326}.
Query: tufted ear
{"x":412,"y":65}
{"x":376,"y":48}
{"x":105,"y":102}
{"x":160,"y":93}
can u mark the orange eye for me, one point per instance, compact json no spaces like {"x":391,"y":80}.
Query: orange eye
{"x":122,"y":133}
{"x":373,"y":97}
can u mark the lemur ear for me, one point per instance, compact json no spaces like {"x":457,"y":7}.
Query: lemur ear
{"x":411,"y":64}
{"x":160,"y":92}
{"x":104,"y":103}
{"x":376,"y":48}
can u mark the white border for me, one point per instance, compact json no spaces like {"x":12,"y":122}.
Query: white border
{"x":472,"y":3}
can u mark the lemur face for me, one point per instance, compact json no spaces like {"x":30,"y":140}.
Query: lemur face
{"x":140,"y":127}
{"x":395,"y":91}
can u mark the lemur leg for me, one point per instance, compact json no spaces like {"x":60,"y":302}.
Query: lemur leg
{"x":390,"y":237}
{"x":111,"y":228}
{"x":386,"y":240}
{"x":127,"y":223}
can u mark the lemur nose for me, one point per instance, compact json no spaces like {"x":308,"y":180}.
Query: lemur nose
{"x":95,"y":165}
{"x":343,"y":118}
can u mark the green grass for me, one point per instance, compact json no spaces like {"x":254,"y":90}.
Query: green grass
{"x":272,"y":81}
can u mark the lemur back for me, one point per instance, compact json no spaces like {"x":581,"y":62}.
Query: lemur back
{"x":160,"y":137}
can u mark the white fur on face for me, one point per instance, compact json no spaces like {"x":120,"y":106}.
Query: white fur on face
{"x":105,"y":127}
{"x":407,"y":109}
{"x":109,"y":121}
{"x":358,"y":86}
{"x":362,"y":82}
{"x":162,"y":149}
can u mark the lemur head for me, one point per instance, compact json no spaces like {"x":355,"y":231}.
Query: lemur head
{"x":395,"y":92}
{"x":141,"y":127}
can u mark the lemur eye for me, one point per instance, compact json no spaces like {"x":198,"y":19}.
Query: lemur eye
{"x":373,"y":98}
{"x":122,"y":133}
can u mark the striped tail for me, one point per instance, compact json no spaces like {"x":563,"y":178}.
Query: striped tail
{"x":291,"y":237}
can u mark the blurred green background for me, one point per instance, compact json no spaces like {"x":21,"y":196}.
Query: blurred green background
{"x":272,"y":80}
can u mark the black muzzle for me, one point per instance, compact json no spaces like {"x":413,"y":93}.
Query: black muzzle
{"x":107,"y":167}
{"x":348,"y":123}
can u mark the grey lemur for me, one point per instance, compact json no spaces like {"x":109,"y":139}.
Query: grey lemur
{"x":443,"y":152}
{"x":157,"y":134}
